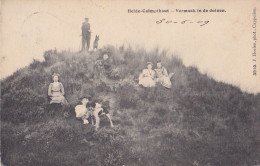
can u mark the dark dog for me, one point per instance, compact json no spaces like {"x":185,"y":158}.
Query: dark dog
{"x":95,"y":44}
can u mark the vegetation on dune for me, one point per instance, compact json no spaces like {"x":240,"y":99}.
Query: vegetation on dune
{"x":198,"y":122}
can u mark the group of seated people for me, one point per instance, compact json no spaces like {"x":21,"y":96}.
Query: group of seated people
{"x":84,"y":111}
{"x":149,"y":77}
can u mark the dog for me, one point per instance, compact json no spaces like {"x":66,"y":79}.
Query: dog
{"x":95,"y":44}
{"x":91,"y":110}
{"x":97,"y":110}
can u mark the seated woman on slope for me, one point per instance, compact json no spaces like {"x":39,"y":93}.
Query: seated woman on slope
{"x":162,"y":75}
{"x":103,"y":66}
{"x":56,"y":91}
{"x":146,"y":78}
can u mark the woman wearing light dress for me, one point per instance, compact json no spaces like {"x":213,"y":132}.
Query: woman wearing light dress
{"x":56,"y":91}
{"x":146,"y":78}
{"x":162,"y":75}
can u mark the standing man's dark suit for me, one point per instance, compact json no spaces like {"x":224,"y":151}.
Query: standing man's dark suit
{"x":86,"y":34}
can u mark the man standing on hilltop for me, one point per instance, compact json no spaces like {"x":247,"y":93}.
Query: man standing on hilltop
{"x":86,"y":34}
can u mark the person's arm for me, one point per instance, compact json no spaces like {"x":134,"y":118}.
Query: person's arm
{"x":49,"y":90}
{"x":153,"y":74}
{"x":82,"y":30}
{"x":156,"y":73}
{"x":165,"y":72}
{"x":89,"y":28}
{"x":62,"y":89}
{"x":141,"y":74}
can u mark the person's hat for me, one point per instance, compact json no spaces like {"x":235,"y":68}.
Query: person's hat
{"x":105,"y":55}
{"x":55,"y":74}
{"x":159,"y":61}
{"x":86,"y":97}
{"x":149,"y":63}
{"x":86,"y":18}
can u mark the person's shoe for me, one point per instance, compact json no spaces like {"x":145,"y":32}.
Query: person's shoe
{"x":85,"y":121}
{"x":87,"y":142}
{"x":66,"y":114}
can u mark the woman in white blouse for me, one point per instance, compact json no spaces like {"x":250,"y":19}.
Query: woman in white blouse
{"x":146,"y":78}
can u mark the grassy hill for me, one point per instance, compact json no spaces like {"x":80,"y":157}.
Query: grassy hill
{"x":198,"y":122}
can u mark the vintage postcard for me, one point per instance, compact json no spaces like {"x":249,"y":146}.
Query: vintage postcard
{"x":130,"y":83}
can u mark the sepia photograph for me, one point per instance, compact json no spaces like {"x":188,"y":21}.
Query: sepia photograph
{"x":130,"y":83}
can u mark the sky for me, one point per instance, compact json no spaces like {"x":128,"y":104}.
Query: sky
{"x":222,"y":48}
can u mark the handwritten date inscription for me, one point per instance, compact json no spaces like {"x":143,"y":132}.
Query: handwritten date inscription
{"x":201,"y":23}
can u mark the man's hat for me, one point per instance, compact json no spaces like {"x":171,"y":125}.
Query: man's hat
{"x":86,"y":97}
{"x":149,"y":63}
{"x":55,"y":74}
